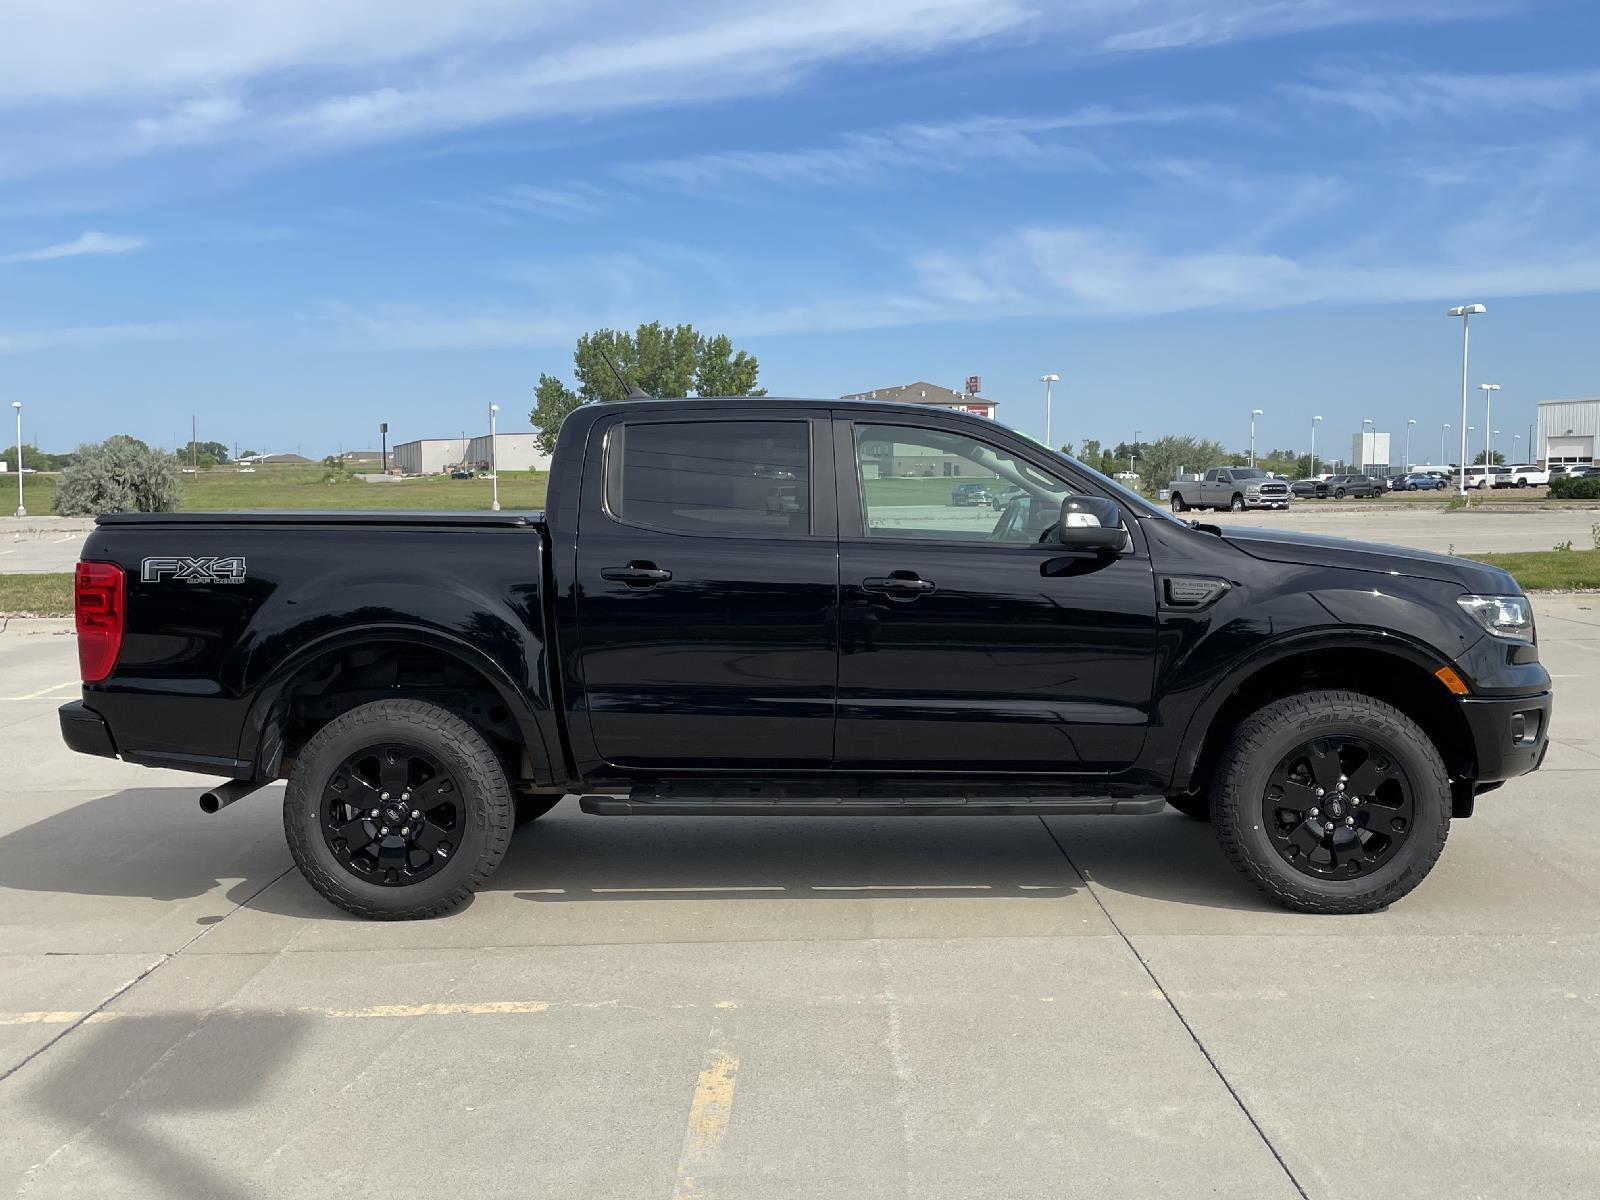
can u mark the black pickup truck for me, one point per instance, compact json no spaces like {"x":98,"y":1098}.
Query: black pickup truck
{"x":771,"y":607}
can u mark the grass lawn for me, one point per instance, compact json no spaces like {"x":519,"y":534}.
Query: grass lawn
{"x":224,"y":489}
{"x":36,"y":595}
{"x":1541,"y":570}
{"x":935,"y":489}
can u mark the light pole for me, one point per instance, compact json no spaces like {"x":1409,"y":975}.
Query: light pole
{"x":1443,"y":429}
{"x":1254,"y":413}
{"x":1407,"y":463}
{"x":1365,"y":452}
{"x":1488,"y":390}
{"x":21,"y":511}
{"x":1047,"y":381}
{"x":1466,"y":312}
{"x":1315,"y":421}
{"x":494,"y":461}
{"x":1515,"y":438}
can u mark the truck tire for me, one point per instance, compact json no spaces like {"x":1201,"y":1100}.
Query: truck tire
{"x":1237,"y":504}
{"x":530,"y":807}
{"x":1338,"y":494}
{"x":1178,"y":504}
{"x":397,"y":810}
{"x":1384,"y":794}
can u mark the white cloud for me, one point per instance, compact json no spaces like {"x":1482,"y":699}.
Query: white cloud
{"x":1021,"y":142}
{"x":24,"y":341}
{"x":299,"y":76}
{"x":1406,"y":95}
{"x":89,"y":242}
{"x":1169,"y":24}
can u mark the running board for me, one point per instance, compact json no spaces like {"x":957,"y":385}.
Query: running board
{"x":709,"y":798}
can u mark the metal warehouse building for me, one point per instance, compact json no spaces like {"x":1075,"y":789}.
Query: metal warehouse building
{"x":513,"y":452}
{"x":429,"y":456}
{"x":1568,"y":430}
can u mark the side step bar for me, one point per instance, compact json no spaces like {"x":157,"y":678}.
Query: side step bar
{"x":713,"y":799}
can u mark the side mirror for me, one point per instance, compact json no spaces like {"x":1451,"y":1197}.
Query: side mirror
{"x":1091,"y":523}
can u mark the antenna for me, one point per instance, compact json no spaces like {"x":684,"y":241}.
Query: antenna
{"x":629,"y":391}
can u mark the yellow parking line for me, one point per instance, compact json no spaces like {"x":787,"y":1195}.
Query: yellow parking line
{"x":709,"y":1112}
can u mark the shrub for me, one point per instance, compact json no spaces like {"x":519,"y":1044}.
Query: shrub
{"x":1568,"y":488}
{"x":120,"y":474}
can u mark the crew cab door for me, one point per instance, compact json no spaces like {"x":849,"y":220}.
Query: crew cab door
{"x":966,"y":642}
{"x":1218,"y":487}
{"x":707,"y":590}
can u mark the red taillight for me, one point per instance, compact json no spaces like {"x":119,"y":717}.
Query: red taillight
{"x":98,"y":609}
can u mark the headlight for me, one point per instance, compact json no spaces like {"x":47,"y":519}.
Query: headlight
{"x":1504,"y":616}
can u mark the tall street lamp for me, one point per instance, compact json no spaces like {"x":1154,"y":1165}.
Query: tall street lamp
{"x":1488,"y":390}
{"x":1047,"y":380}
{"x":1315,"y":421}
{"x":494,"y":461}
{"x":21,"y":511}
{"x":1466,"y":312}
{"x":1515,"y":456}
{"x":1254,"y":413}
{"x":1443,"y":429}
{"x":1407,"y":463}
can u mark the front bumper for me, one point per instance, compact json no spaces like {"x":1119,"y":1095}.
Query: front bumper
{"x":1509,"y":734}
{"x":86,"y":731}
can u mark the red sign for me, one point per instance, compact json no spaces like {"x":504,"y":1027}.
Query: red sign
{"x":982,"y":410}
{"x":974,"y":385}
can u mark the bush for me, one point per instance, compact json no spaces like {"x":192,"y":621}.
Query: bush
{"x":1568,"y":488}
{"x":120,"y":474}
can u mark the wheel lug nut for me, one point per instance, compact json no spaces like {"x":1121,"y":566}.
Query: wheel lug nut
{"x":1349,"y":820}
{"x":1321,"y":793}
{"x":383,"y":795}
{"x":373,"y":813}
{"x":1316,"y":812}
{"x":415,"y":815}
{"x":405,"y":831}
{"x":1355,"y":801}
{"x":383,"y":831}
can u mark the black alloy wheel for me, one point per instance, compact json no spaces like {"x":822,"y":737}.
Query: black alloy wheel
{"x":1338,"y":807}
{"x":392,"y":814}
{"x":1339,"y":494}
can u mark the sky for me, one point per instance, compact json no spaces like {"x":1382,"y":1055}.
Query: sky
{"x":298,"y":218}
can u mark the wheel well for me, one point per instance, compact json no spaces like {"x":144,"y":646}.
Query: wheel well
{"x":342,"y":679}
{"x":1387,"y":677}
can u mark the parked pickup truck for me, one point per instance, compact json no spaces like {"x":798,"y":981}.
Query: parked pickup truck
{"x":662,"y":640}
{"x":1236,"y":488}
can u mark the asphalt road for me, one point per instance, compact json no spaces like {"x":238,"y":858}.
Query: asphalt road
{"x":752,"y":1008}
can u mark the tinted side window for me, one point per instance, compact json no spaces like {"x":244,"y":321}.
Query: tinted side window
{"x":750,"y":478}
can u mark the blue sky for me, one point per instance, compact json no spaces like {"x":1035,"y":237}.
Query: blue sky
{"x":301,"y":217}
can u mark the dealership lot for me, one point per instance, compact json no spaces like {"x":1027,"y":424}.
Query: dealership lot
{"x":770,"y":1008}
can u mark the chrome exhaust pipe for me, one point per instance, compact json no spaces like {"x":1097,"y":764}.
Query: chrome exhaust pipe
{"x":224,"y":794}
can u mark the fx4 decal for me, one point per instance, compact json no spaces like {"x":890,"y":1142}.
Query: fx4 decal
{"x":193,"y":570}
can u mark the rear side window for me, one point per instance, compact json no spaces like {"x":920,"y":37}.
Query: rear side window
{"x":741,"y":478}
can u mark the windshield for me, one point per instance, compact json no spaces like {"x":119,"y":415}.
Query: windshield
{"x":1139,"y":504}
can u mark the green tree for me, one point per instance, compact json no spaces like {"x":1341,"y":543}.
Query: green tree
{"x":120,"y":474}
{"x":202,"y":454}
{"x":1161,"y":459}
{"x":32,"y":457}
{"x":1089,"y":453}
{"x":656,"y":359}
{"x":1499,"y":459}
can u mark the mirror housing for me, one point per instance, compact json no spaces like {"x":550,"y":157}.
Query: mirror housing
{"x":1091,"y":523}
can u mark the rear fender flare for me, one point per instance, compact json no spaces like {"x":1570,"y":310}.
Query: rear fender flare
{"x":260,"y":741}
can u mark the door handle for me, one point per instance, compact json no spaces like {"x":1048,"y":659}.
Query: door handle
{"x":636,"y":574}
{"x":901,"y":585}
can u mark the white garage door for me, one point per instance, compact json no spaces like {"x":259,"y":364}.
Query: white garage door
{"x":1571,"y":449}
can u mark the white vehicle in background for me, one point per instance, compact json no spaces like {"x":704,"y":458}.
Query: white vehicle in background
{"x":1481,"y":477}
{"x":1528,"y":475}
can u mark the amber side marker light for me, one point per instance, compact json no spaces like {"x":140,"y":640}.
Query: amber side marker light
{"x":1451,"y":680}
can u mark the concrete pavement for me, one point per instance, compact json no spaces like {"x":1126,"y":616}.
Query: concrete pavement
{"x":723,"y":1008}
{"x":31,"y":545}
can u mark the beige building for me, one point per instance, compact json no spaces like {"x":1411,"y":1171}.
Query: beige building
{"x":512,"y":452}
{"x":428,"y":456}
{"x":923,"y":392}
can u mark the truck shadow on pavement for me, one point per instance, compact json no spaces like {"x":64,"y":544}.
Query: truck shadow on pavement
{"x":154,"y":843}
{"x":150,"y":1101}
